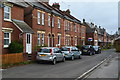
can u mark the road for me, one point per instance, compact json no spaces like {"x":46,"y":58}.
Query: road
{"x":67,"y":69}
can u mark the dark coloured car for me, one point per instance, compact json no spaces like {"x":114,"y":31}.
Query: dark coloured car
{"x":88,"y":49}
{"x":97,"y":49}
{"x":71,"y":52}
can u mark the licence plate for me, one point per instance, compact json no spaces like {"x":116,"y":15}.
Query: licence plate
{"x":85,"y":50}
{"x":42,"y":55}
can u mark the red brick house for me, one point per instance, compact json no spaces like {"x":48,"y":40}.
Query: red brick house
{"x":102,"y":36}
{"x":47,"y":24}
{"x":83,"y":34}
{"x":13,"y":26}
{"x":91,"y":34}
{"x":72,"y":29}
{"x":39,"y":24}
{"x":52,"y":26}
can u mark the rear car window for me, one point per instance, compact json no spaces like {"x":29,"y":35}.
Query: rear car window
{"x":64,"y":49}
{"x":45,"y":50}
{"x":85,"y":47}
{"x":95,"y":47}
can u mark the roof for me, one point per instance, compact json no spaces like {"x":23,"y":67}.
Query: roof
{"x":21,"y":4}
{"x":118,"y":38}
{"x":90,"y":30}
{"x":72,"y":18}
{"x":40,"y":6}
{"x":22,"y":26}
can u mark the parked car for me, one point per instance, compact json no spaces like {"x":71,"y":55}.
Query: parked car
{"x":97,"y":49}
{"x":88,"y":49}
{"x":71,"y":52}
{"x":51,"y":54}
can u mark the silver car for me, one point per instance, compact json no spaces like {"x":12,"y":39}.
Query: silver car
{"x":71,"y":52}
{"x":51,"y":54}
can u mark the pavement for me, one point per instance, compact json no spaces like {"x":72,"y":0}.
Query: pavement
{"x":68,"y":69}
{"x":108,"y":70}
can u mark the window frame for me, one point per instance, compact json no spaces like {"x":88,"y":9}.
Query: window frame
{"x":53,"y":21}
{"x":8,"y":12}
{"x":49,"y":20}
{"x":39,"y":41}
{"x":38,"y":17}
{"x":75,"y":28}
{"x":43,"y":39}
{"x":9,"y":38}
{"x":59,"y":40}
{"x":59,"y":21}
{"x":43,"y":18}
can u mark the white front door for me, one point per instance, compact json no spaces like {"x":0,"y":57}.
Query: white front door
{"x":28,"y":43}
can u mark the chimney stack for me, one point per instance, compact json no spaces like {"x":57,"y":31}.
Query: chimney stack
{"x":96,"y":26}
{"x":67,"y":11}
{"x":100,"y":27}
{"x":56,"y":5}
{"x":83,"y":20}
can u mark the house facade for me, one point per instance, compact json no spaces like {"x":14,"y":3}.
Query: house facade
{"x":52,"y":26}
{"x":13,"y":26}
{"x":91,"y":34}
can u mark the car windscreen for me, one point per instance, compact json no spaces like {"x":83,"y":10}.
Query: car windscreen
{"x":64,"y":49}
{"x":45,"y":50}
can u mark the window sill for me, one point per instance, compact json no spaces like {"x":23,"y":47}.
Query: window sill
{"x":6,"y":46}
{"x":9,"y":20}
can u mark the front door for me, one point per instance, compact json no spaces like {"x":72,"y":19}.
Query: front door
{"x":28,"y":43}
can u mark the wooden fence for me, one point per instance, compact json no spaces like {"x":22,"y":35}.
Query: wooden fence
{"x":118,"y":45}
{"x":12,"y":58}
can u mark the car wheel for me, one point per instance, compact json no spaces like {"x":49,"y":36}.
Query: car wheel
{"x":38,"y":62}
{"x":72,"y":58}
{"x":90,"y":54}
{"x":54,"y":61}
{"x":80,"y":57}
{"x":63,"y":59}
{"x":93,"y":53}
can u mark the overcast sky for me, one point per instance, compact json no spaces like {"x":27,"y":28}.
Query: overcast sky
{"x":102,"y":13}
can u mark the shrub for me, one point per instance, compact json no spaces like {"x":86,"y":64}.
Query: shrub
{"x":16,"y":47}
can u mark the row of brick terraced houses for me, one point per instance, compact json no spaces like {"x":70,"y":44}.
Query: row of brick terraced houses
{"x":39,"y":24}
